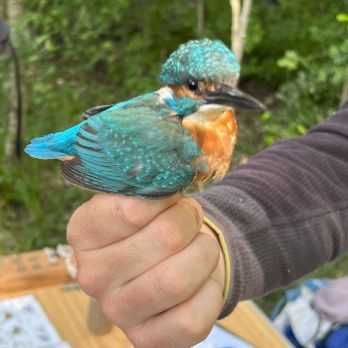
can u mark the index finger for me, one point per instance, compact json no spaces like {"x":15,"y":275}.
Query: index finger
{"x":107,"y":219}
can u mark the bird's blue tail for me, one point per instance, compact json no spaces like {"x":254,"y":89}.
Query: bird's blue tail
{"x":57,"y":145}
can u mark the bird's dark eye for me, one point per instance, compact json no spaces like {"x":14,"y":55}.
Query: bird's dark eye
{"x":192,"y":85}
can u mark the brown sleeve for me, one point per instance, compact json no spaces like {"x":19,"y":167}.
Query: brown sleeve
{"x":285,"y":212}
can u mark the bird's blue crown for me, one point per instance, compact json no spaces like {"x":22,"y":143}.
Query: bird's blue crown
{"x":201,"y":60}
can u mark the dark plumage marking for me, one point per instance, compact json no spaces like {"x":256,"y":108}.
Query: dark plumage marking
{"x":69,"y":172}
{"x":132,"y":172}
{"x":86,"y":147}
{"x":158,"y":194}
{"x":76,"y":161}
{"x":95,"y":110}
{"x":89,"y":129}
{"x":79,"y":135}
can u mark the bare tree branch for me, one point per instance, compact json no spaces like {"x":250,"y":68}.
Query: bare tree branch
{"x":344,"y":94}
{"x":244,"y":21}
{"x":14,"y":9}
{"x":239,"y":27}
{"x":235,"y":7}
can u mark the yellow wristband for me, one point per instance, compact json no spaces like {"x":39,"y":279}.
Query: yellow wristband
{"x":225,"y":252}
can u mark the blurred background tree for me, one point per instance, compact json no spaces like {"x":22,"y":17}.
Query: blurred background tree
{"x":80,"y":53}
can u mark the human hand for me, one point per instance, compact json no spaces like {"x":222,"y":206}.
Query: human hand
{"x":155,"y":268}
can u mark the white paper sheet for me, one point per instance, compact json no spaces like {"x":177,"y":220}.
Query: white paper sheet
{"x":24,"y":324}
{"x":221,"y":338}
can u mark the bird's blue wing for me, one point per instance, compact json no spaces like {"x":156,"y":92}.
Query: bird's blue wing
{"x":133,"y":151}
{"x":60,"y":145}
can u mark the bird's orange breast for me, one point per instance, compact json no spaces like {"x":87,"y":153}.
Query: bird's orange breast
{"x":216,"y":138}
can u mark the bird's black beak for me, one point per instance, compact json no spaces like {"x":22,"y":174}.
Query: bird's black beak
{"x":233,"y":97}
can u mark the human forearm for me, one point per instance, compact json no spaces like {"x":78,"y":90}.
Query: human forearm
{"x":285,"y":212}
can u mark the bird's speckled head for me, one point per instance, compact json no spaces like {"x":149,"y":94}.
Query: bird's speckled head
{"x":201,"y":79}
{"x":201,"y":60}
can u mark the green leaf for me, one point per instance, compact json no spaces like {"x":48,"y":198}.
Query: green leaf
{"x":290,"y":61}
{"x":301,"y":129}
{"x":265,"y":116}
{"x":342,"y":17}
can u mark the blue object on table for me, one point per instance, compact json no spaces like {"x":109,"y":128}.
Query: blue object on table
{"x":336,"y":339}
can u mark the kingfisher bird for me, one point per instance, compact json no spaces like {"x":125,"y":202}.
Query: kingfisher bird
{"x":159,"y":143}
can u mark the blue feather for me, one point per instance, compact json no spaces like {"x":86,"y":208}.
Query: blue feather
{"x":135,"y":147}
{"x":56,"y":145}
{"x":133,"y":150}
{"x":203,"y":60}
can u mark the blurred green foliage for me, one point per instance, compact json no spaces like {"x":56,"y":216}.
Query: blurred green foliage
{"x":303,"y":54}
{"x":81,"y":53}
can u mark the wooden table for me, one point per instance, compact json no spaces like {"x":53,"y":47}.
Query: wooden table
{"x":68,"y":308}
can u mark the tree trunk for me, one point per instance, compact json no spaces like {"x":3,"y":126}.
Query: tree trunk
{"x":235,"y":7}
{"x":13,"y":11}
{"x":344,"y":94}
{"x":239,"y":27}
{"x":244,"y":21}
{"x":3,"y":5}
{"x":200,"y":18}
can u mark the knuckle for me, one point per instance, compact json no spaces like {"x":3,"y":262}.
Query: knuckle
{"x":169,"y":237}
{"x":136,"y":337}
{"x":170,"y":285}
{"x":89,"y":280}
{"x":192,"y":329}
{"x":128,"y":212}
{"x":75,"y":227}
{"x":109,"y":305}
{"x":82,"y":223}
{"x":209,"y":252}
{"x":196,"y":211}
{"x":96,"y":198}
{"x":72,"y":236}
{"x":144,"y":336}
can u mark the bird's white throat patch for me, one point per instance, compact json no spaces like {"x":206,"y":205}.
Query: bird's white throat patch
{"x":207,"y":113}
{"x":165,"y":93}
